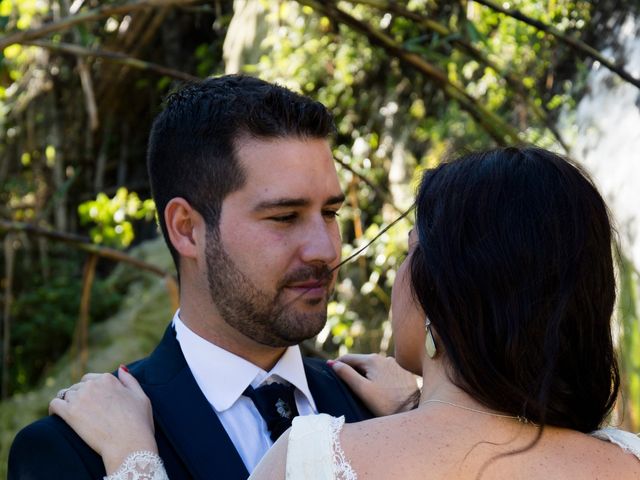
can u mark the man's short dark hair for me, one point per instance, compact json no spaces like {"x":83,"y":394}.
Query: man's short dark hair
{"x":193,"y":142}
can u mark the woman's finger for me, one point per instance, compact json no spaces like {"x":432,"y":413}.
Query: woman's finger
{"x":58,"y":407}
{"x":360,"y":361}
{"x":89,"y":376}
{"x":352,"y":378}
{"x":69,"y":395}
{"x":74,"y":387}
{"x":129,"y":380}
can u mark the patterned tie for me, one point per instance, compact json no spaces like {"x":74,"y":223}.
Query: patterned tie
{"x":276,"y":404}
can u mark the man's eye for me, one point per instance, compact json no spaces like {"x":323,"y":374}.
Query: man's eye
{"x":284,"y":218}
{"x":330,"y":214}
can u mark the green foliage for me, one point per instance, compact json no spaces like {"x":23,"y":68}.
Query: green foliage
{"x":14,"y":59}
{"x":45,"y":314}
{"x":629,"y":321}
{"x":113,"y":217}
{"x":131,"y":331}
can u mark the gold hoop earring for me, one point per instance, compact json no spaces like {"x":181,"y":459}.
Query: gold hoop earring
{"x":429,"y":343}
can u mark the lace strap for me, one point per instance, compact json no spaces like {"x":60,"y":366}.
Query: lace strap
{"x":343,"y":469}
{"x":629,"y":442}
{"x":314,"y":451}
{"x":142,"y":465}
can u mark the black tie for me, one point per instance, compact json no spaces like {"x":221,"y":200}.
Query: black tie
{"x":276,"y":404}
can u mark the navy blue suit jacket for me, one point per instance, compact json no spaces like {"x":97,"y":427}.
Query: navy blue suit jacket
{"x":191,"y":440}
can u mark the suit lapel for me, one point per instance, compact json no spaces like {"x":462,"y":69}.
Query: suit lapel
{"x":330,"y":394}
{"x":186,"y":417}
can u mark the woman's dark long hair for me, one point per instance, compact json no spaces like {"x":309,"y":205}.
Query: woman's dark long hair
{"x":514,"y":269}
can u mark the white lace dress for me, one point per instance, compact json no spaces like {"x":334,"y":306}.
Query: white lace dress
{"x":314,"y":452}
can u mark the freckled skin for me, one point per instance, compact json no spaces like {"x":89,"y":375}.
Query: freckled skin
{"x":441,"y":444}
{"x":447,"y":444}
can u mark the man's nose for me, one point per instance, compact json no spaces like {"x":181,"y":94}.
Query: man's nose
{"x":321,"y":243}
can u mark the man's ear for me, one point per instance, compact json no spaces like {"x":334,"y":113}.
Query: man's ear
{"x":185,"y":226}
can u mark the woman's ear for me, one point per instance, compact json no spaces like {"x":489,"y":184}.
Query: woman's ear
{"x":185,"y":227}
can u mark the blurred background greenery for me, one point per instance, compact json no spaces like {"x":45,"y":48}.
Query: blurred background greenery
{"x":87,"y":284}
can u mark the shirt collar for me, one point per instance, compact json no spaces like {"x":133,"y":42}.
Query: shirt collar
{"x":223,"y":376}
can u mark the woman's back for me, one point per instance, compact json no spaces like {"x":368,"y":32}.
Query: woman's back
{"x":445,"y":443}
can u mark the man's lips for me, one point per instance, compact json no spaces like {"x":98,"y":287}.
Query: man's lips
{"x":309,"y":287}
{"x":310,"y":284}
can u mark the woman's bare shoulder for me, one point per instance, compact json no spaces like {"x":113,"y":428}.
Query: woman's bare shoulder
{"x":567,"y":454}
{"x":389,"y":447}
{"x":595,"y":457}
{"x":406,"y":446}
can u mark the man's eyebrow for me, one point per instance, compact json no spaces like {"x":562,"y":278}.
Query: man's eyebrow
{"x":294,"y":202}
{"x":281,"y":203}
{"x":335,"y":199}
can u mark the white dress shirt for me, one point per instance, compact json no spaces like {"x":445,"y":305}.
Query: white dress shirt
{"x":223,"y":377}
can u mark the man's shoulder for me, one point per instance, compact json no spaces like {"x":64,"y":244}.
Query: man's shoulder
{"x":43,"y":432}
{"x":48,"y":448}
{"x":331,"y":394}
{"x":317,"y":369}
{"x":319,"y":373}
{"x":316,"y":364}
{"x":139,"y":369}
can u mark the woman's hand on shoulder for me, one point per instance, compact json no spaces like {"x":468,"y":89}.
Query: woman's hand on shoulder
{"x":382,"y":385}
{"x":111,"y":414}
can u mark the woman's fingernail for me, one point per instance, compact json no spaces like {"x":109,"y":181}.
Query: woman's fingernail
{"x":124,"y":367}
{"x":331,"y":362}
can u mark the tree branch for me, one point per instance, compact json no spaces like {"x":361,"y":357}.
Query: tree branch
{"x":495,"y":126}
{"x":512,"y":80}
{"x":89,"y":15}
{"x":115,"y":57}
{"x":379,"y":192}
{"x":82,"y":243}
{"x":572,"y":42}
{"x":81,"y":340}
{"x":9,"y":257}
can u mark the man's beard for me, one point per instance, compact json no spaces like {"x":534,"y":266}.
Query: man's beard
{"x":264,"y":317}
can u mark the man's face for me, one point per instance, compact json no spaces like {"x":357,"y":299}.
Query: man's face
{"x":269,"y":264}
